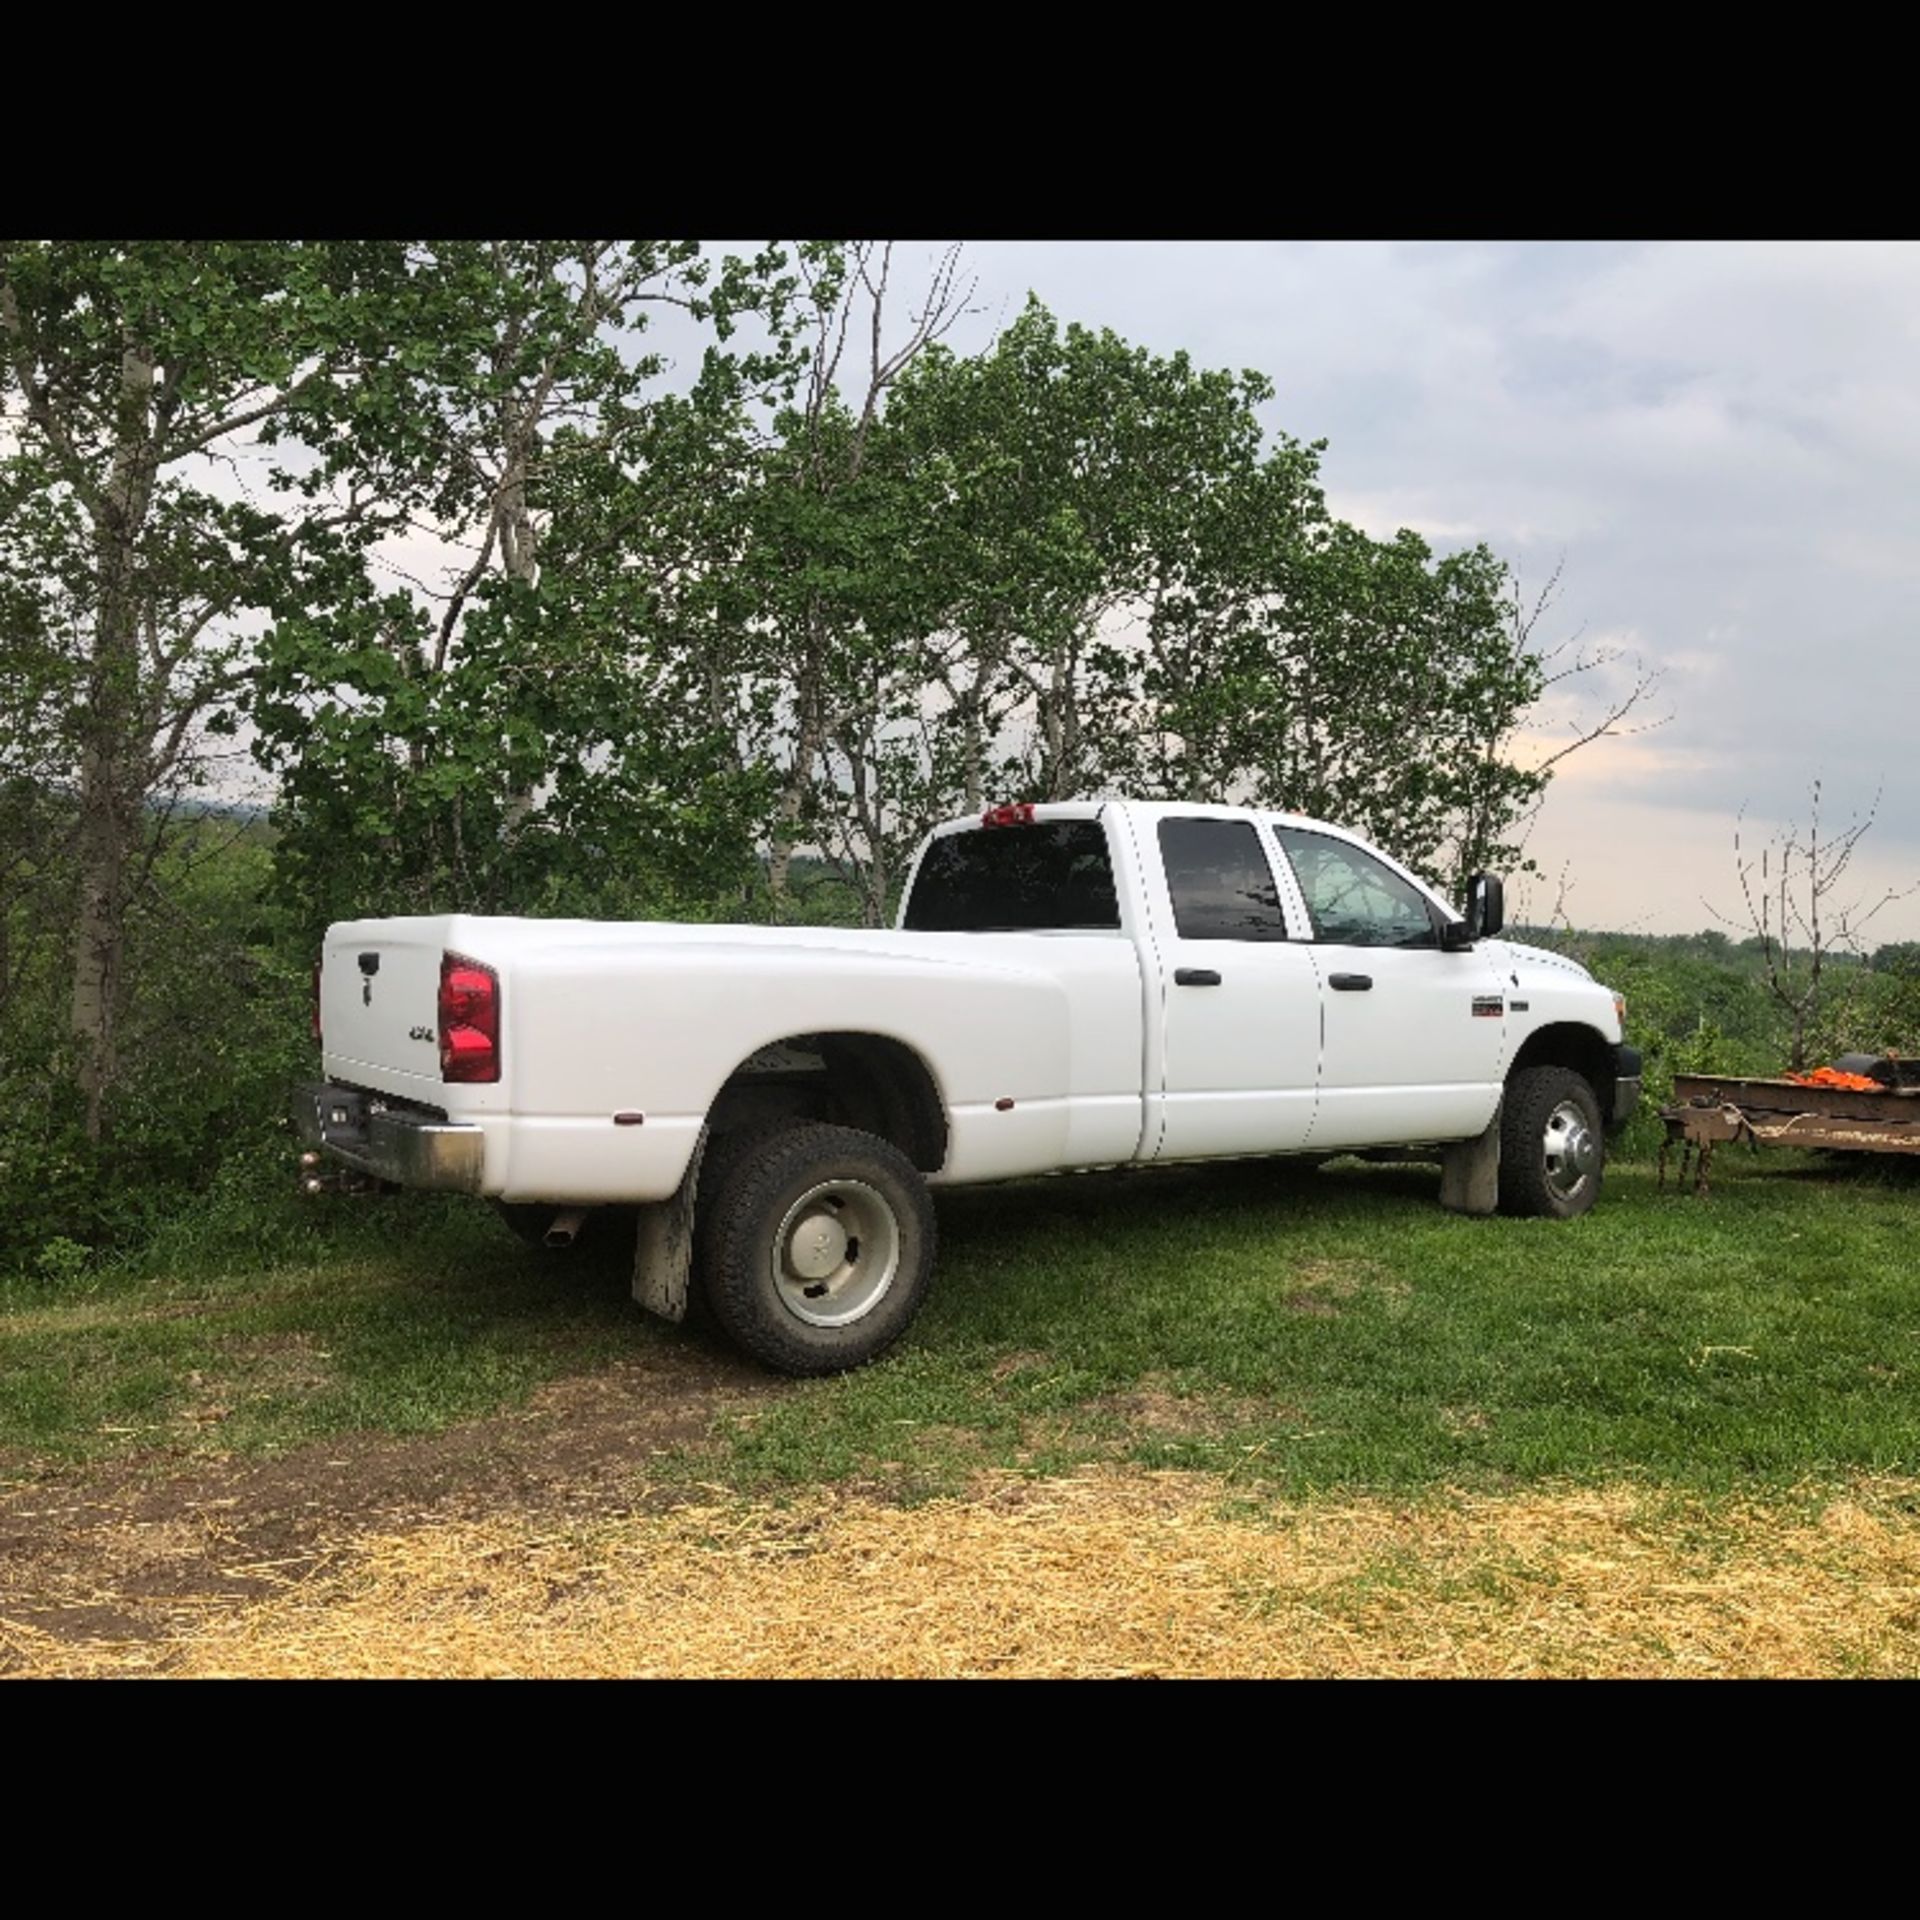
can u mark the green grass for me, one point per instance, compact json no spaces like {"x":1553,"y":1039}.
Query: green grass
{"x":1299,"y":1333}
{"x":1340,"y":1331}
{"x":388,"y":1320}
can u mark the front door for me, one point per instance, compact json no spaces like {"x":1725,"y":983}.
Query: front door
{"x":1415,"y":1039}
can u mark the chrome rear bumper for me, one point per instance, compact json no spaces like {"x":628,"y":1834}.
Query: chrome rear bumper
{"x":409,"y":1149}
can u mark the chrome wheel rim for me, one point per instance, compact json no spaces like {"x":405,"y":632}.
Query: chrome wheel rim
{"x":1571,"y":1149}
{"x":836,"y":1253}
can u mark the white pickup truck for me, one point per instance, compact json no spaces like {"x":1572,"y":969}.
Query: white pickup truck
{"x":1084,"y":984}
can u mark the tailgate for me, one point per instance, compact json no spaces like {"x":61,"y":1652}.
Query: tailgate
{"x":379,"y":1002}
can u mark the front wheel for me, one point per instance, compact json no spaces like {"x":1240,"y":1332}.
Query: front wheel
{"x":816,"y":1246}
{"x":1552,"y":1144}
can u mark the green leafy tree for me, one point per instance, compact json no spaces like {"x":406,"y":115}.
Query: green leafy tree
{"x":1069,"y":481}
{"x":134,"y":377}
{"x":511,"y":738}
{"x":1126,"y":585}
{"x":1031,"y":488}
{"x":1395,"y":686}
{"x":835,"y":595}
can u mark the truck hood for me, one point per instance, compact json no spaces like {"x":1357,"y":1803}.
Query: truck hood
{"x":1517,"y":955}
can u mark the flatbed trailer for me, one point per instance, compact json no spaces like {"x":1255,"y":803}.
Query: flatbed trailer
{"x":1708,"y":1110}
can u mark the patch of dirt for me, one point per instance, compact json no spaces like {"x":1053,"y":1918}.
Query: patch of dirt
{"x":1021,"y":1360}
{"x":1153,"y":1408}
{"x":137,"y":1549}
{"x":1318,"y":1286}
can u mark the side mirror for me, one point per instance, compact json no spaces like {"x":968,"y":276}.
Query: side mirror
{"x":1455,"y":937}
{"x":1486,"y":906}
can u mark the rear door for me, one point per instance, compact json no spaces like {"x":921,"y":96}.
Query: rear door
{"x":1415,"y":1039}
{"x":1239,"y":996}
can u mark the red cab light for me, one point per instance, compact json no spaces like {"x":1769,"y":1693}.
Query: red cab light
{"x":1019,"y":814}
{"x":469,"y":1019}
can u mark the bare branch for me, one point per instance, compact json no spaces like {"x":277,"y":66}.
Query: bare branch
{"x":246,"y":417}
{"x":1793,"y":911}
{"x":1608,"y":726}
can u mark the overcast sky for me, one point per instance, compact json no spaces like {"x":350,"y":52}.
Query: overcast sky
{"x":1721,"y":441}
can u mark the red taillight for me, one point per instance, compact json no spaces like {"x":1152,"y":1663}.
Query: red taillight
{"x":318,"y":963}
{"x":469,"y":1019}
{"x":1017,"y":815}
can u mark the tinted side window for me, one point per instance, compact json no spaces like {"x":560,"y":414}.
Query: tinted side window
{"x":1221,"y":884}
{"x":1054,"y":875}
{"x":1353,"y":899}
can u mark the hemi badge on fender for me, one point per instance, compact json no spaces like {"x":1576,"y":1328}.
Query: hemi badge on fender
{"x":1488,"y":1006}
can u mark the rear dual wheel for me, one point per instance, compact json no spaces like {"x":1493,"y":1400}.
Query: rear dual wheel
{"x":815,"y":1244}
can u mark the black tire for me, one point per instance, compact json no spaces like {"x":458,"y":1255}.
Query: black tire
{"x":1548,"y":1170}
{"x":814,"y":1245}
{"x":723,"y":1154}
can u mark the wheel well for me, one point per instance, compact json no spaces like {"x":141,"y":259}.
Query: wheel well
{"x":1568,"y":1044}
{"x":862,"y":1080}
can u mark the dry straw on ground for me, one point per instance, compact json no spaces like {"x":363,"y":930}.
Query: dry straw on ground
{"x":1106,"y":1572}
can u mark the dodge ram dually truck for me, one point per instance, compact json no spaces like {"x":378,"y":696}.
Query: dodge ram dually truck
{"x":1071,"y":985}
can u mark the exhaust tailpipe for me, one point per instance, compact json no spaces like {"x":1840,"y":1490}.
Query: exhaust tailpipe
{"x":566,"y":1224}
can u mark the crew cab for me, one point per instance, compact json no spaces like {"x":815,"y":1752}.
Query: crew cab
{"x":1068,"y":985}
